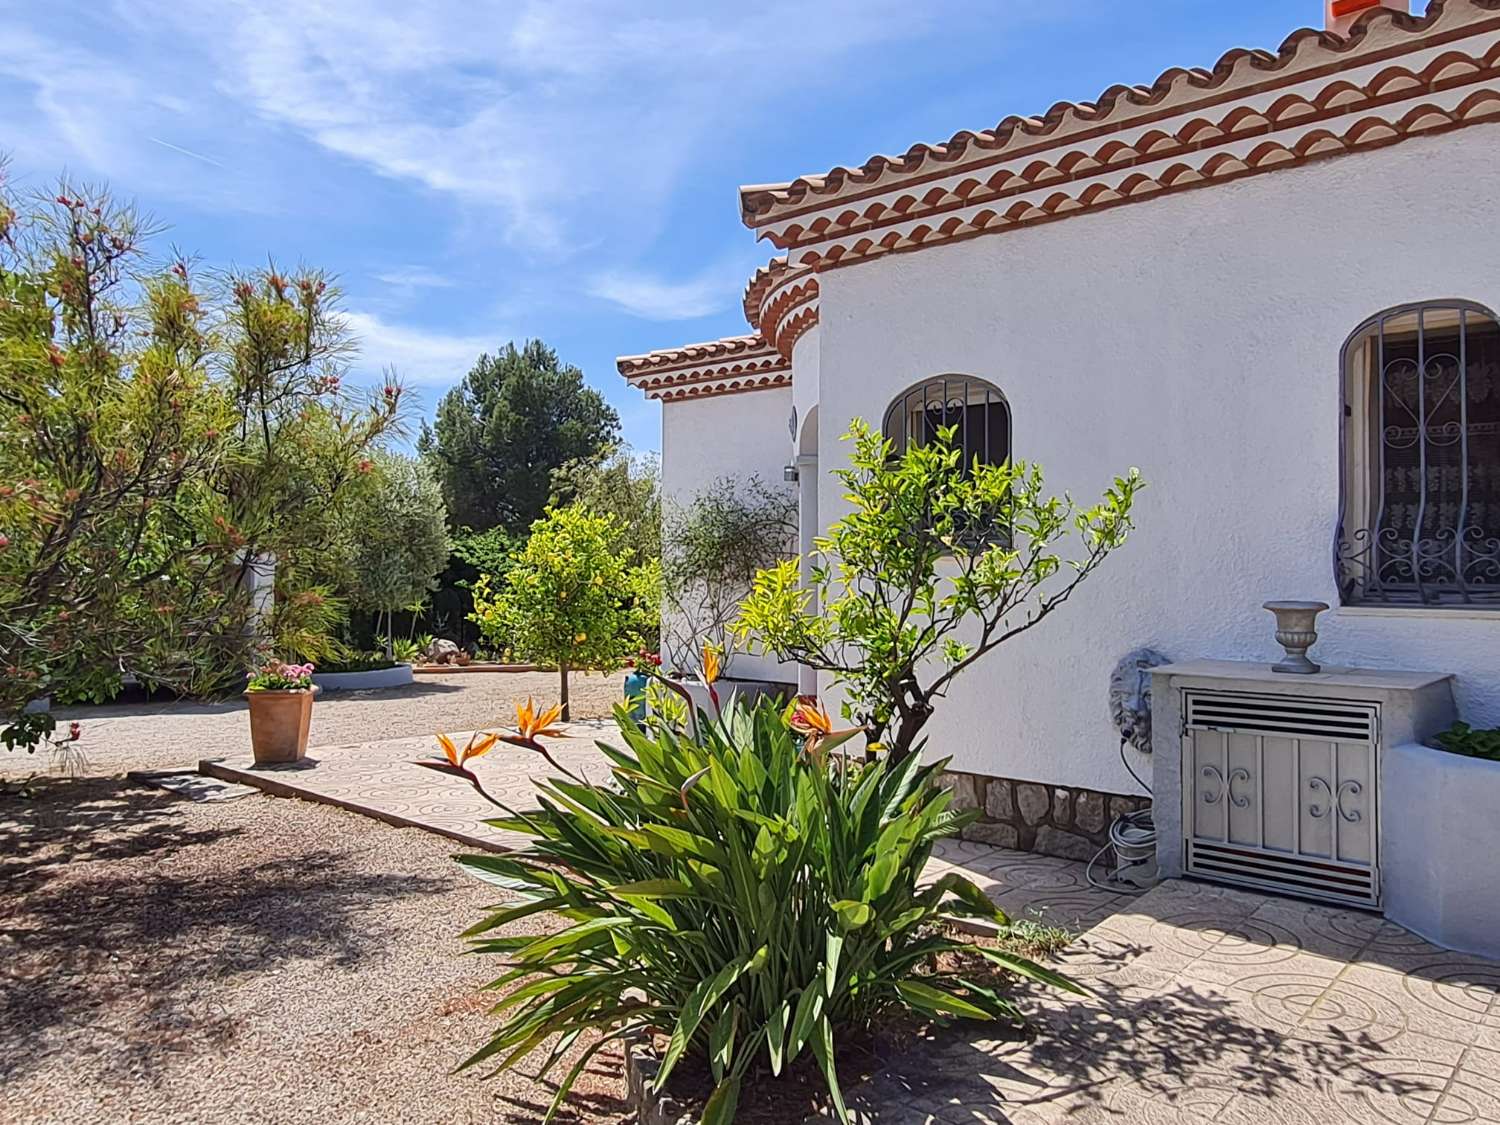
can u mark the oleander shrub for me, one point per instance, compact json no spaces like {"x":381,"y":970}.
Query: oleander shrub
{"x":738,"y":890}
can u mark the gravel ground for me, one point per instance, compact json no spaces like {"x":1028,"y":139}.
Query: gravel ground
{"x":255,"y":960}
{"x":134,"y":736}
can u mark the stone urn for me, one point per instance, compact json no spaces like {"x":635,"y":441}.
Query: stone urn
{"x":1296,"y":631}
{"x":279,"y":725}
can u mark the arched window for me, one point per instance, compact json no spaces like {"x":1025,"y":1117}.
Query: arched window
{"x":1420,"y":521}
{"x":975,"y":408}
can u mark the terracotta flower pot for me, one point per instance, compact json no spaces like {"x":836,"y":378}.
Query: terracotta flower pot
{"x":279,"y":724}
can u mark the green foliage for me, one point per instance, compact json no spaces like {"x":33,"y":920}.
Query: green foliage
{"x":489,"y":552}
{"x":110,"y":422}
{"x":568,"y":600}
{"x":365,"y":662}
{"x":396,"y":534}
{"x":1463,"y":739}
{"x":937,"y":564}
{"x":406,"y":650}
{"x":750,"y":900}
{"x":499,"y":435}
{"x":619,"y":485}
{"x":158,"y":438}
{"x":713,"y":547}
{"x":302,"y":446}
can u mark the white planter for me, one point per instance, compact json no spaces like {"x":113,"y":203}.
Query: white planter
{"x":1441,"y":837}
{"x":398,"y":676}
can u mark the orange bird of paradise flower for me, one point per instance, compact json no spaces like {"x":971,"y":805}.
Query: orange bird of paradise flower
{"x":712,"y":669}
{"x":533,"y":723}
{"x":479,"y":745}
{"x":808,"y":718}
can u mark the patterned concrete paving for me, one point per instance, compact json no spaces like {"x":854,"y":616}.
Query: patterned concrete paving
{"x":1209,"y":1004}
{"x":1218,"y":1005}
{"x":381,"y":779}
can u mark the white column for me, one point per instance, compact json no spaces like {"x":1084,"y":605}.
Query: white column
{"x":807,"y":530}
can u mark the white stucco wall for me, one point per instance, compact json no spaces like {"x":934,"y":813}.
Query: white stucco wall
{"x":1196,"y":337}
{"x":738,"y":435}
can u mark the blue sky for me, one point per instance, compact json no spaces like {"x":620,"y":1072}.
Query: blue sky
{"x":481,"y":171}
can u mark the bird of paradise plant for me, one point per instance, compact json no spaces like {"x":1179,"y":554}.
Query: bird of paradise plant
{"x":712,"y":668}
{"x":734,"y":896}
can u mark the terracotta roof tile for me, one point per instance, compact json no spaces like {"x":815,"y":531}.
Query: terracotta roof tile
{"x":728,"y":366}
{"x":1121,"y":105}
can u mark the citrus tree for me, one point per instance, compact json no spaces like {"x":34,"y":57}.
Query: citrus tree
{"x":569,"y":599}
{"x":938,"y":563}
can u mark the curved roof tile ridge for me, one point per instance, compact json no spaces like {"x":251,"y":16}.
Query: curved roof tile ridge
{"x":761,"y":203}
{"x":729,"y":347}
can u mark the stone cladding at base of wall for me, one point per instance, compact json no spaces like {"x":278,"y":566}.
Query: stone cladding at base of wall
{"x":1031,"y":817}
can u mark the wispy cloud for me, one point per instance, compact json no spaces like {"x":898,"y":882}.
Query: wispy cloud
{"x":565,"y":117}
{"x":185,"y":151}
{"x":654,"y":298}
{"x":417,"y":355}
{"x":414,"y":277}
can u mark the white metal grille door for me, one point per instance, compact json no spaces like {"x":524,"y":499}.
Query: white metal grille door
{"x":1281,"y":793}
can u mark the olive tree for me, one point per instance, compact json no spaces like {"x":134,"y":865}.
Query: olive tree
{"x":938,"y":563}
{"x":713,"y":546}
{"x":396,"y":529}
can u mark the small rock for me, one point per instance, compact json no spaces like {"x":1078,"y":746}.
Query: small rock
{"x":1067,"y":845}
{"x":1088,"y":812}
{"x":1119,"y":806}
{"x":1001,"y":835}
{"x":442,"y":652}
{"x":1033,"y":801}
{"x":999,"y":800}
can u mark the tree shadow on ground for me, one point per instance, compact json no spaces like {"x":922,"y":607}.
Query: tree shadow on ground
{"x":63,"y":822}
{"x":588,"y":1101}
{"x":144,"y":708}
{"x":140,"y":951}
{"x":1132,"y":1053}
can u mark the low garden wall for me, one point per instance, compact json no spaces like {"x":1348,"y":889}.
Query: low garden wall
{"x":398,"y":676}
{"x":1440,"y":837}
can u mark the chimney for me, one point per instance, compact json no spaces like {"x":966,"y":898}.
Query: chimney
{"x":1342,"y":13}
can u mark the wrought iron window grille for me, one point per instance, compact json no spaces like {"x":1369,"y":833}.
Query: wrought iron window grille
{"x":980,"y":417}
{"x":1419,"y":520}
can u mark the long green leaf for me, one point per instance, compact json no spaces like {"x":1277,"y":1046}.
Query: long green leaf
{"x":693,"y":1009}
{"x":938,"y":1002}
{"x":723,"y":1102}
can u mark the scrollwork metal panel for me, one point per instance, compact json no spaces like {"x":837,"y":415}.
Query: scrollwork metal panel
{"x":1295,"y":814}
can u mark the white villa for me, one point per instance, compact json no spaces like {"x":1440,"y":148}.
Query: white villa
{"x":1272,"y":285}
